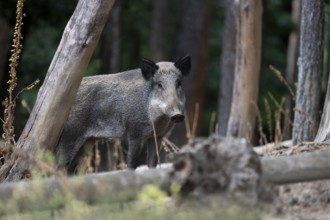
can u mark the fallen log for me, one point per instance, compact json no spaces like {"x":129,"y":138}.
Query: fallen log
{"x":123,"y":186}
{"x":297,"y":168}
{"x":54,"y":193}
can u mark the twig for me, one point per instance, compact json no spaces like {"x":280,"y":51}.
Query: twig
{"x":282,"y":79}
{"x":156,"y":142}
{"x":263,"y":138}
{"x":212,"y":122}
{"x":278,"y":130}
{"x":269,"y":118}
{"x":195,"y":122}
{"x":187,"y":125}
{"x":171,"y":146}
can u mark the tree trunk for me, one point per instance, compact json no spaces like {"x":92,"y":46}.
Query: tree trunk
{"x":291,"y":68}
{"x":227,"y":68}
{"x":57,"y":93}
{"x":247,"y":69}
{"x":193,"y":40}
{"x":323,"y":133}
{"x":110,"y":42}
{"x":159,"y":30}
{"x":310,"y":64}
{"x":326,"y":45}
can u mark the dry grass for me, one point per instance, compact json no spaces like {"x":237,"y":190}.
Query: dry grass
{"x":282,"y":79}
{"x":269,"y":119}
{"x":191,"y":130}
{"x":263,"y":137}
{"x":10,"y":103}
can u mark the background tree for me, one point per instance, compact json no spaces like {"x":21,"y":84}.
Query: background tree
{"x":247,"y":69}
{"x":291,"y":67}
{"x":192,"y":39}
{"x":323,"y":133}
{"x":227,"y":67}
{"x":110,"y":42}
{"x":159,"y":30}
{"x":310,"y":64}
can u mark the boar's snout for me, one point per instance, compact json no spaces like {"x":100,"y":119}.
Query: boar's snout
{"x":177,"y":118}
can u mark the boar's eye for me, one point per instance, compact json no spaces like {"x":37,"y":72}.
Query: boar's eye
{"x":178,"y":83}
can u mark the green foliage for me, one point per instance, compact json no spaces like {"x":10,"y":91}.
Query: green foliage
{"x":213,"y":69}
{"x":135,"y":32}
{"x":151,"y":204}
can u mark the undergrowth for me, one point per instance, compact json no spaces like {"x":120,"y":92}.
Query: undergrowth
{"x":151,"y":203}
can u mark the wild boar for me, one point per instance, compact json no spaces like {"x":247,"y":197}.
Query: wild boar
{"x":130,"y":106}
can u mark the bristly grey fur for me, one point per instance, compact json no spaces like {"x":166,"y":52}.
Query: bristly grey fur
{"x":123,"y":106}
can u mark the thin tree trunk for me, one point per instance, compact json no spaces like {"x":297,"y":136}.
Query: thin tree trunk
{"x":323,"y":133}
{"x":159,"y":29}
{"x":326,"y":44}
{"x":227,"y":68}
{"x":247,"y":69}
{"x":291,"y":68}
{"x":57,"y":93}
{"x":310,"y":65}
{"x":110,"y":42}
{"x":193,"y":40}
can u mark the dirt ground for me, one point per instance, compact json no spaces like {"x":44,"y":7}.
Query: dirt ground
{"x":307,"y":200}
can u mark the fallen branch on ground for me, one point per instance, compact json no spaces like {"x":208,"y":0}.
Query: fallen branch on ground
{"x":271,"y":146}
{"x":123,"y":186}
{"x":297,"y":168}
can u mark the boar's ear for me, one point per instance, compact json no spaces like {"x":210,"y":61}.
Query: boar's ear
{"x":183,"y":64}
{"x":148,"y":68}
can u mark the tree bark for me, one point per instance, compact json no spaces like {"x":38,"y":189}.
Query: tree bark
{"x":193,"y":40}
{"x":159,"y":30}
{"x":227,"y":68}
{"x":110,"y":42}
{"x":57,"y":93}
{"x":297,"y":168}
{"x":310,"y":65}
{"x":323,"y":133}
{"x":247,"y":69}
{"x":291,"y":68}
{"x":123,"y":186}
{"x":326,"y":43}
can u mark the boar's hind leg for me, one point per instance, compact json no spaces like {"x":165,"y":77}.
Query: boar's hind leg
{"x":72,"y":166}
{"x":67,"y":153}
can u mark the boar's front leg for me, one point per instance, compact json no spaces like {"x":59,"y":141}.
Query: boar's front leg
{"x":133,"y":157}
{"x":152,"y":158}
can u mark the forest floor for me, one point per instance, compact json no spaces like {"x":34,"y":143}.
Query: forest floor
{"x":306,"y":200}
